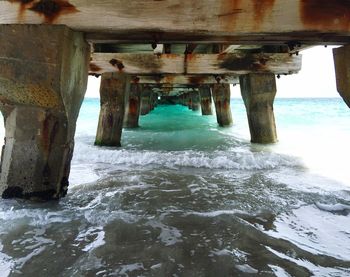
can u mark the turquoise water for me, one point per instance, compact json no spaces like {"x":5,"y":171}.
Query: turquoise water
{"x":184,"y":197}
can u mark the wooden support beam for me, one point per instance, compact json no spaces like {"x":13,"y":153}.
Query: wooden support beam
{"x":188,"y":79}
{"x":171,"y":91}
{"x":320,"y":21}
{"x":234,"y":63}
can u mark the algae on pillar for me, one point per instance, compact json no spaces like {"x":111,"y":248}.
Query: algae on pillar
{"x":342,"y":70}
{"x":206,"y":102}
{"x":222,"y":96}
{"x":113,"y":88}
{"x":43,"y":78}
{"x":258,"y":92}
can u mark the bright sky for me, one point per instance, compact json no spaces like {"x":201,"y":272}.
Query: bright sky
{"x":316,"y":79}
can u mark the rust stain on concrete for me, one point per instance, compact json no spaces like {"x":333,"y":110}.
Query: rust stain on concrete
{"x":261,"y":9}
{"x":117,"y":63}
{"x":49,"y":132}
{"x":325,"y":14}
{"x":229,"y":11}
{"x":169,"y":79}
{"x":196,"y":80}
{"x":243,"y":62}
{"x":94,"y":68}
{"x":133,"y":106}
{"x":52,"y":9}
{"x":49,"y":9}
{"x":23,"y":5}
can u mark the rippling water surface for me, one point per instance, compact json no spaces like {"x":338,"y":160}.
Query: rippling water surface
{"x":184,"y":197}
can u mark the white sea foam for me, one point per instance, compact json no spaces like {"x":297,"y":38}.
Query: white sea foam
{"x":280,"y":272}
{"x":316,"y":270}
{"x":168,"y":235}
{"x":238,"y":255}
{"x":85,"y":235}
{"x":88,"y":154}
{"x":6,"y":263}
{"x":334,"y":208}
{"x":315,"y":231}
{"x":246,"y":269}
{"x":215,"y":213}
{"x":124,"y":269}
{"x":33,"y":217}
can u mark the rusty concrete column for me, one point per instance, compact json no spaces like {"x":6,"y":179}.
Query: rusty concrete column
{"x":221,"y":96}
{"x":154,"y":100}
{"x":113,"y":88}
{"x":43,"y":79}
{"x":132,"y":108}
{"x":342,"y":71}
{"x":195,"y":100}
{"x":206,"y":102}
{"x":183,"y":99}
{"x":258,"y":92}
{"x":146,"y":100}
{"x":189,"y":100}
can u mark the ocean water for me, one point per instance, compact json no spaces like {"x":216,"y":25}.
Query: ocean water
{"x":184,"y":197}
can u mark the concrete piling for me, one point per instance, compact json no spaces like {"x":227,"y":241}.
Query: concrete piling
{"x":154,"y":100}
{"x":113,"y":88}
{"x":133,"y":104}
{"x":42,"y":88}
{"x":258,"y":92}
{"x":205,"y":98}
{"x":221,"y":96}
{"x":342,"y":70}
{"x":195,"y":100}
{"x":146,"y":100}
{"x":189,"y":101}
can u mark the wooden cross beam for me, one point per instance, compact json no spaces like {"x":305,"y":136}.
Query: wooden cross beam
{"x":188,"y":79}
{"x":172,"y":91}
{"x":214,"y":64}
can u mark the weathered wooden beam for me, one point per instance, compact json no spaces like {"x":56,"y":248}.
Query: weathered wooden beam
{"x":188,"y":79}
{"x":172,"y":91}
{"x":233,"y":63}
{"x":190,"y":20}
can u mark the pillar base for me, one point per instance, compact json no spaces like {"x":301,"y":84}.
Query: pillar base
{"x":37,"y":154}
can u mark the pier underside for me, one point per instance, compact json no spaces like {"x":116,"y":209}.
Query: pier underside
{"x":185,"y":52}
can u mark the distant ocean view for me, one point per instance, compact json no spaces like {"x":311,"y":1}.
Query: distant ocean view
{"x":184,"y":197}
